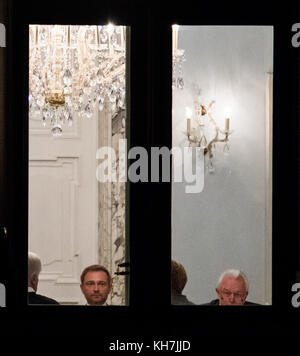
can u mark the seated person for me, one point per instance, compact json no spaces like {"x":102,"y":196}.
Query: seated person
{"x":232,"y":289}
{"x":96,"y":285}
{"x":178,"y":282}
{"x":34,"y":269}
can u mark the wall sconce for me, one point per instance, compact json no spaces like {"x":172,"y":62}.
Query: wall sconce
{"x":196,"y":135}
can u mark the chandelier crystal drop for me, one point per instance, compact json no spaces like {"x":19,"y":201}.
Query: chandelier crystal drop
{"x":75,"y":70}
{"x":177,"y":72}
{"x":178,"y":58}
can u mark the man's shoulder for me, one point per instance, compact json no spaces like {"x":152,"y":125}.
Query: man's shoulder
{"x":212,"y":303}
{"x":251,"y":303}
{"x":180,"y":300}
{"x":34,"y":298}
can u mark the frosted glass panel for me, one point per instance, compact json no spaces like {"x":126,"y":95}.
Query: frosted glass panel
{"x":222,"y":111}
{"x":77,"y":110}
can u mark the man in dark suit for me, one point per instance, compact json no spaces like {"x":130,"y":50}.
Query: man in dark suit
{"x":232,"y":289}
{"x":34,"y":269}
{"x":178,"y":282}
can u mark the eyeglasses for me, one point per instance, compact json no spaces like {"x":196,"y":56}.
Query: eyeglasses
{"x":227,"y":294}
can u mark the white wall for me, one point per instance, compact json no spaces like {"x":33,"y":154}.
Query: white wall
{"x":224,"y":225}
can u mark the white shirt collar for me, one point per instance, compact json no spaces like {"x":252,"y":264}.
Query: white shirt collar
{"x":30,"y":289}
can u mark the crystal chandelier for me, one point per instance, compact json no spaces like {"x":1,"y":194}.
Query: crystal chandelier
{"x":197,"y":135}
{"x":73,"y":71}
{"x":178,"y":59}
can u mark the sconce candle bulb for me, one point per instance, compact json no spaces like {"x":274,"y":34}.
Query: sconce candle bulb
{"x":188,"y":112}
{"x":227,"y":125}
{"x":227,"y":111}
{"x":188,"y":127}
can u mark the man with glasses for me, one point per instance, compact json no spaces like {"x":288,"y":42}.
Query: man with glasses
{"x":95,"y":285}
{"x":232,"y":289}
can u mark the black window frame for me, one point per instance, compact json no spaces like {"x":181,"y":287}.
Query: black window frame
{"x":150,"y":203}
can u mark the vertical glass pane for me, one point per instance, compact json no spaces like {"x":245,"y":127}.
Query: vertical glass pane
{"x":222,"y":188}
{"x":77,"y":134}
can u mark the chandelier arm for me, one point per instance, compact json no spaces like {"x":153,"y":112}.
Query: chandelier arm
{"x":213,"y":120}
{"x":215,"y":140}
{"x":210,"y":105}
{"x":209,"y":146}
{"x":116,"y":72}
{"x":192,"y":140}
{"x":107,"y":70}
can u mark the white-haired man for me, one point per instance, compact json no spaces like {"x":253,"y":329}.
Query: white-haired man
{"x":34,"y":269}
{"x":232,"y":289}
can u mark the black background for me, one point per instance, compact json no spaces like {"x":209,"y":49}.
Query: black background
{"x":150,"y":315}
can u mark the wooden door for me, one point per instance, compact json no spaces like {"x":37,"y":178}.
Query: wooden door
{"x":63,"y":203}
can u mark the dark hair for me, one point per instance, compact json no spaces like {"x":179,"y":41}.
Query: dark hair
{"x":178,"y":277}
{"x":94,"y":268}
